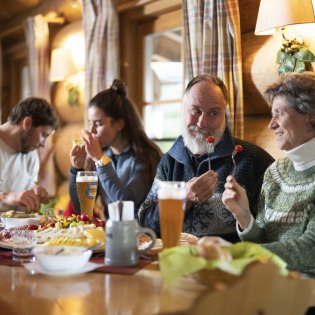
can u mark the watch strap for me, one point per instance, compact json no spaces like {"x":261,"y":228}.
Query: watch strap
{"x":102,"y":161}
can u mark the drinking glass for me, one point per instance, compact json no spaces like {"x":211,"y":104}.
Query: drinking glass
{"x":54,"y":214}
{"x":86,"y":182}
{"x":172,"y":196}
{"x":23,"y":244}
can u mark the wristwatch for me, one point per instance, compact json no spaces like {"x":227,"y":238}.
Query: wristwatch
{"x":102,"y":161}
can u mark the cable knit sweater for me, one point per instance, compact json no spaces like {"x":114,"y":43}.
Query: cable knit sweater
{"x":285,"y":222}
{"x":211,"y":217}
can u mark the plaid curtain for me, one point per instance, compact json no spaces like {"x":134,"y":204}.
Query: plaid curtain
{"x":37,"y":41}
{"x":101,"y":31}
{"x":213,"y":45}
{"x":0,"y":82}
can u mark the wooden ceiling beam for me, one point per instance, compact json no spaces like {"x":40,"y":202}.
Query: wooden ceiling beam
{"x":46,"y":6}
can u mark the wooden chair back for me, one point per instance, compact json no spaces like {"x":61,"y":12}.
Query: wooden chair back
{"x":260,"y":291}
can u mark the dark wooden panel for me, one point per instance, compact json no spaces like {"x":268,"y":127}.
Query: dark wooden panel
{"x":248,"y":14}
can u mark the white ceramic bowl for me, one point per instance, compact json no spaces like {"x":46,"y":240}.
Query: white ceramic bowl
{"x":70,"y":258}
{"x":14,"y":222}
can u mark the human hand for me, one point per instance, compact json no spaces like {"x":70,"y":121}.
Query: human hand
{"x":42,"y":194}
{"x":26,"y":198}
{"x":78,"y":156}
{"x":235,"y":199}
{"x":92,"y":145}
{"x":212,"y":247}
{"x":216,"y":240}
{"x":200,"y":189}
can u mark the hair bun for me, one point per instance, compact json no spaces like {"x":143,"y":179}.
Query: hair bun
{"x":119,"y":87}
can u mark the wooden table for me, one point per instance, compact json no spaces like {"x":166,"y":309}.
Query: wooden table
{"x":94,"y":293}
{"x":260,"y":288}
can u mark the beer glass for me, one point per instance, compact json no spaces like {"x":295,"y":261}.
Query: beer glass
{"x":171,"y":197}
{"x":86,"y":182}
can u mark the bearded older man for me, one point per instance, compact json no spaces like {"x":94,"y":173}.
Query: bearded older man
{"x":204,"y":114}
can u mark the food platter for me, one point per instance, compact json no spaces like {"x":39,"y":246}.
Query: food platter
{"x":6,"y":244}
{"x":84,"y":231}
{"x":76,"y":230}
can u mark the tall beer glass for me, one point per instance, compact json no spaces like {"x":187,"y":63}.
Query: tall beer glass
{"x":86,"y":182}
{"x":171,"y":197}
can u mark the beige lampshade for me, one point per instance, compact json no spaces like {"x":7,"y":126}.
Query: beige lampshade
{"x":61,"y":64}
{"x":280,"y":13}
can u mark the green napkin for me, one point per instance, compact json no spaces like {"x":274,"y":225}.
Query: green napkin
{"x":184,"y":260}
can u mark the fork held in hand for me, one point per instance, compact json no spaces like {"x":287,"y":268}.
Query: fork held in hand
{"x":238,"y":148}
{"x":210,"y":149}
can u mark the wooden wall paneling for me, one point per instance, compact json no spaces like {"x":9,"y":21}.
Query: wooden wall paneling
{"x":150,"y":7}
{"x":248,"y":14}
{"x":129,"y":52}
{"x":158,"y":8}
{"x":254,"y":70}
{"x":61,"y":7}
{"x":15,"y":59}
{"x":126,"y":5}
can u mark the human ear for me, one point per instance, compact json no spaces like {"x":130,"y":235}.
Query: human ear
{"x":120,"y":124}
{"x":27,"y":122}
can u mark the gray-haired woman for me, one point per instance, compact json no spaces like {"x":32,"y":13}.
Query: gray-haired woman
{"x":285,"y":222}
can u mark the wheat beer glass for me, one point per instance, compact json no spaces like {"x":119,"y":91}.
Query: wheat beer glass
{"x":171,"y":197}
{"x":86,"y":182}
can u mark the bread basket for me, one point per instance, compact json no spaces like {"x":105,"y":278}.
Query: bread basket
{"x":212,"y":277}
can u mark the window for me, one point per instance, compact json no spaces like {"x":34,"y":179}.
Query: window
{"x":163,"y":86}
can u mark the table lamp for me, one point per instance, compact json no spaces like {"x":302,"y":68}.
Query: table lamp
{"x":62,"y":67}
{"x":274,"y":14}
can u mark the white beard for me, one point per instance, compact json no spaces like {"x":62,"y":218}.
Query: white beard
{"x":195,"y":139}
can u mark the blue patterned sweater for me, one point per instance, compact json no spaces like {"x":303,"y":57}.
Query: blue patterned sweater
{"x":210,"y":218}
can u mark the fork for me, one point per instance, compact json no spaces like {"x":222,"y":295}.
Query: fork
{"x":210,"y":149}
{"x":238,"y":148}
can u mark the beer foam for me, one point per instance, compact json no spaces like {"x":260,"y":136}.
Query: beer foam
{"x":172,"y":190}
{"x":86,"y":179}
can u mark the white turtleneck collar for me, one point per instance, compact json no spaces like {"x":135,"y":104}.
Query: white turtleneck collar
{"x":303,"y":156}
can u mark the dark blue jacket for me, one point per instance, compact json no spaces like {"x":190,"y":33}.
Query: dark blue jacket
{"x":210,"y":218}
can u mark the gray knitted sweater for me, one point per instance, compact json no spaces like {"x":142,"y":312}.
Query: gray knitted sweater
{"x":285,"y":222}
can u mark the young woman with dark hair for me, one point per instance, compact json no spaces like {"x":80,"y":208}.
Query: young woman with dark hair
{"x":124,"y":157}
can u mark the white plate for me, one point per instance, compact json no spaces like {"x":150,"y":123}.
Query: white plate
{"x":15,"y":222}
{"x":7,"y":244}
{"x":35,"y":267}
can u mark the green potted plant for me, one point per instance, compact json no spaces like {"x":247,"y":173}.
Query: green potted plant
{"x":293,"y":55}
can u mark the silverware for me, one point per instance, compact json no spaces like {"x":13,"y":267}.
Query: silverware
{"x":98,"y":244}
{"x":238,"y":148}
{"x":210,"y":149}
{"x":120,"y":209}
{"x":59,"y":251}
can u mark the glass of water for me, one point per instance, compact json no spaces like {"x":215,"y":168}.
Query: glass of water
{"x":23,"y":244}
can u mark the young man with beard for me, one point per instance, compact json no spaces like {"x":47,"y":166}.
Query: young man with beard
{"x":29,"y":124}
{"x":204,"y":114}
